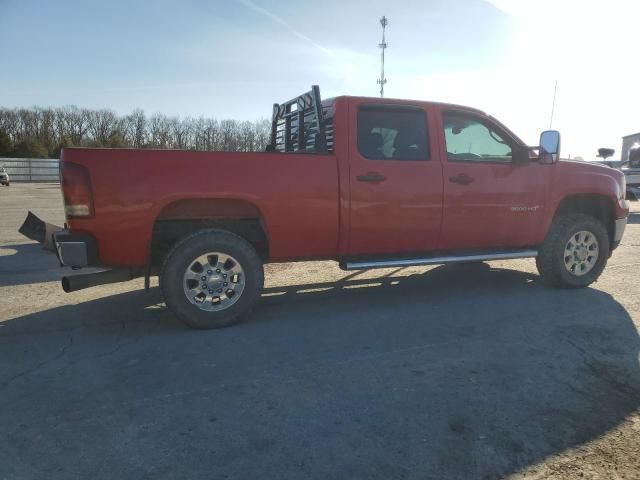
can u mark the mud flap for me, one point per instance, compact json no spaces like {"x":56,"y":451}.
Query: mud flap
{"x":35,"y":229}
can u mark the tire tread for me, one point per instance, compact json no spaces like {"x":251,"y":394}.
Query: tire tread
{"x":552,"y":270}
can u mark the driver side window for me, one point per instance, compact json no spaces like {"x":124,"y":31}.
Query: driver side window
{"x":468,"y":139}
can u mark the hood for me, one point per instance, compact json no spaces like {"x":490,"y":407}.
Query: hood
{"x":590,"y":177}
{"x":593,"y":167}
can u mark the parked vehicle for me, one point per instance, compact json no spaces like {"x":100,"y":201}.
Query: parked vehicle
{"x":630,"y":167}
{"x":369,"y":182}
{"x":631,"y":172}
{"x":4,"y":177}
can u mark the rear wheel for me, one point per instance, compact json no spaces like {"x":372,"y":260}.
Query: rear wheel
{"x":211,"y":278}
{"x":575,"y":251}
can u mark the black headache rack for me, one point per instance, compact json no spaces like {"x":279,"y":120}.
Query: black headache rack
{"x":303,"y":124}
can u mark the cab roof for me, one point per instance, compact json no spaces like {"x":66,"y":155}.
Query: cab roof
{"x":407,"y":101}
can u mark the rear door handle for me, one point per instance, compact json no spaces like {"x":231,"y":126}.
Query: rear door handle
{"x":371,"y":177}
{"x":462,"y":179}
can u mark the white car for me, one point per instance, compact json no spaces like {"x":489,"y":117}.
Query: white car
{"x":4,"y":177}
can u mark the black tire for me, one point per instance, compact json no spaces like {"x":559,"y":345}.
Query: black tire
{"x":550,"y":260}
{"x":190,"y":248}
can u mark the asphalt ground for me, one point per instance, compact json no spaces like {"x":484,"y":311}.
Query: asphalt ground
{"x":450,"y":372}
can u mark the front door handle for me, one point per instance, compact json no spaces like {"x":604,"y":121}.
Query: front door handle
{"x":462,"y":179}
{"x":371,"y":177}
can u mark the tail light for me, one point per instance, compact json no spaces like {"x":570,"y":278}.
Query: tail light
{"x":76,"y":189}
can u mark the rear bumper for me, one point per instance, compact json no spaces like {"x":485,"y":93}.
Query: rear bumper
{"x":75,"y":250}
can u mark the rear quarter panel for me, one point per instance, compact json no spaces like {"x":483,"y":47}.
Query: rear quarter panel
{"x":297,"y":196}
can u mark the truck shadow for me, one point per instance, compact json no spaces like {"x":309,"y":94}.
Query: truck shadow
{"x":455,"y":372}
{"x":27,"y":263}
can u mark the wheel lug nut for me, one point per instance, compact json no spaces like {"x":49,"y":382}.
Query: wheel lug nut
{"x":224,"y":275}
{"x":203,"y":278}
{"x":204,"y":285}
{"x":225,"y":284}
{"x":210,"y":291}
{"x":219,"y":290}
{"x":217,"y":270}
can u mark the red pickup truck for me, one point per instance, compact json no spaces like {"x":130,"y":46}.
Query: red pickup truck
{"x":369,"y":182}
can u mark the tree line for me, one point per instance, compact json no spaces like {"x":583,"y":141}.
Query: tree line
{"x":41,"y":132}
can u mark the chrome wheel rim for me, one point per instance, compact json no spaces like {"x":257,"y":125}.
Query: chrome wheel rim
{"x":581,"y":253}
{"x":213,"y":281}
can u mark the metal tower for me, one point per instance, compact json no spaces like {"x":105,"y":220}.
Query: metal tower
{"x":381,"y":81}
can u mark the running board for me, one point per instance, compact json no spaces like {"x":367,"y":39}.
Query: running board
{"x":409,"y":262}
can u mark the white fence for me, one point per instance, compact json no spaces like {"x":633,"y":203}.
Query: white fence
{"x":31,"y":169}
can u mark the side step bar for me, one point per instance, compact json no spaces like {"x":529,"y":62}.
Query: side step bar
{"x":408,"y":262}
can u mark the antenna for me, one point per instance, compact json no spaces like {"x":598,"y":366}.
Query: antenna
{"x":381,"y":81}
{"x":553,"y":104}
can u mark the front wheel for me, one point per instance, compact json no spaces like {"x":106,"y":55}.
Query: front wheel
{"x":211,"y":278}
{"x":575,"y":251}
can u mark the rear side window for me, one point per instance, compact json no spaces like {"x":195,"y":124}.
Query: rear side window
{"x":392,"y":133}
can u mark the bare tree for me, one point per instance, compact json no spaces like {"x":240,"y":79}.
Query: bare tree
{"x":263,"y":134}
{"x":51,"y":129}
{"x":229,"y":134}
{"x":154,"y":127}
{"x":101,"y":124}
{"x":160,"y":131}
{"x":212,"y":135}
{"x":139,"y":128}
{"x":9,"y":122}
{"x":179,"y":133}
{"x":246,"y":136}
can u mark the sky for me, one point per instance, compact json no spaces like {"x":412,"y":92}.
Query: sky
{"x":235,"y":58}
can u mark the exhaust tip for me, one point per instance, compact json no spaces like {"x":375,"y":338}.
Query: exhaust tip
{"x":73,"y":283}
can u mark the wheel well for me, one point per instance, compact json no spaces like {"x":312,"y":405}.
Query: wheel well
{"x":597,"y":206}
{"x":167,"y":232}
{"x":184,"y":217}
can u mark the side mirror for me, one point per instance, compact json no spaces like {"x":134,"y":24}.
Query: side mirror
{"x":549,"y":146}
{"x":520,"y":155}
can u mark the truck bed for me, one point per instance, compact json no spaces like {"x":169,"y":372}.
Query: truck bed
{"x":294,"y":195}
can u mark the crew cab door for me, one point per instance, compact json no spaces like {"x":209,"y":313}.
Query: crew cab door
{"x":395,"y":179}
{"x":489,"y":201}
